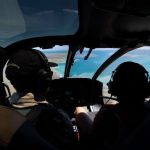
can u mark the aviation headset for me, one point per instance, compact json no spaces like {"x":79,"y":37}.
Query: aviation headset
{"x":44,"y":74}
{"x":113,"y":83}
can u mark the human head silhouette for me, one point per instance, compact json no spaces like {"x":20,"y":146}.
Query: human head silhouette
{"x":29,"y":71}
{"x":129,"y":80}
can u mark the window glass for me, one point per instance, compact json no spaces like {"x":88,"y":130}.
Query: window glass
{"x":20,"y":20}
{"x":86,"y":68}
{"x":58,"y":55}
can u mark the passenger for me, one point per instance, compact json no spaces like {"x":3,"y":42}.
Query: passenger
{"x":17,"y":133}
{"x":114,"y":123}
{"x":30,"y":74}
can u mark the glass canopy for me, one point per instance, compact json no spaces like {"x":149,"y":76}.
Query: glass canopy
{"x":24,"y":19}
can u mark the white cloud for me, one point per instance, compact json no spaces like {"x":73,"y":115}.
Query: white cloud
{"x":132,"y":55}
{"x":144,"y":48}
{"x":83,"y":55}
{"x":65,"y":47}
{"x":102,"y":49}
{"x":86,"y":75}
{"x":104,"y":79}
{"x":55,"y":48}
{"x":129,"y":55}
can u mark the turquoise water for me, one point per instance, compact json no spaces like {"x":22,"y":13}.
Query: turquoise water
{"x":81,"y":67}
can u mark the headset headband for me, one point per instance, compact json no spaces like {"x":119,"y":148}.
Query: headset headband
{"x":115,"y":79}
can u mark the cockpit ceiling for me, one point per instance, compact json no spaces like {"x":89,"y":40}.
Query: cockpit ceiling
{"x":89,"y":23}
{"x":115,"y":23}
{"x":24,"y":19}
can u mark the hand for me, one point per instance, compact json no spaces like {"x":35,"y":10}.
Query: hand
{"x":80,"y":110}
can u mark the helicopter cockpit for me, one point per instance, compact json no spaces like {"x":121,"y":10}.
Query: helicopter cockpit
{"x":84,"y":40}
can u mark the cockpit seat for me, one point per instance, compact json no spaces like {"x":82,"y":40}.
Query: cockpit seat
{"x":139,"y":139}
{"x":16,"y":133}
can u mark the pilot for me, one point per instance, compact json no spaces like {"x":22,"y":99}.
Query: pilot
{"x":29,"y":72}
{"x":115,"y":123}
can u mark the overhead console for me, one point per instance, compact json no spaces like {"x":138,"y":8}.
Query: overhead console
{"x":68,"y":93}
{"x":114,"y":23}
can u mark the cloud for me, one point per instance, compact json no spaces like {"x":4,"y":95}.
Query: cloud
{"x":83,"y":55}
{"x":66,"y":47}
{"x":107,"y":49}
{"x":132,"y":55}
{"x":82,"y":75}
{"x":144,"y":48}
{"x":55,"y":48}
{"x":129,"y":55}
{"x":104,"y":79}
{"x":102,"y":49}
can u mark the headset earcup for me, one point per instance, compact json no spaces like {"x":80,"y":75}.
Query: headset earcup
{"x":11,"y":72}
{"x":111,"y":88}
{"x":148,"y":90}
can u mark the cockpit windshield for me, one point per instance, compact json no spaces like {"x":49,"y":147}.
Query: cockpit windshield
{"x":20,"y":20}
{"x":87,"y":68}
